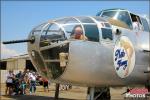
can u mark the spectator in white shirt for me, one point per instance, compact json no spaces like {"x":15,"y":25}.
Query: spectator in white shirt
{"x":32,"y":79}
{"x":9,"y":83}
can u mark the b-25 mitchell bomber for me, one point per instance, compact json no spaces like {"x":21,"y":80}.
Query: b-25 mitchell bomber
{"x":107,"y":50}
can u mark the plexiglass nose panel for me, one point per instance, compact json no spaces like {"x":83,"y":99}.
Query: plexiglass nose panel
{"x":51,"y":33}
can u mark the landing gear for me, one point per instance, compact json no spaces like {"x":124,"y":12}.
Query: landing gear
{"x":148,"y":85}
{"x":99,"y":93}
{"x":90,"y":93}
{"x":57,"y":91}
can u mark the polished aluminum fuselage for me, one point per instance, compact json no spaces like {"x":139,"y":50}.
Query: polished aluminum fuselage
{"x":91,"y":63}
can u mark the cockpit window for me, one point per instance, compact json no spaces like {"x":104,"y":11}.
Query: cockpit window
{"x":136,"y":22}
{"x":69,"y":29}
{"x":107,"y":34}
{"x":145,"y":25}
{"x":91,"y":32}
{"x":71,"y":25}
{"x":118,"y":18}
{"x":85,"y":19}
{"x":109,"y":13}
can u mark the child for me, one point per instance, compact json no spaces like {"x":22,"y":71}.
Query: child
{"x":23,"y":87}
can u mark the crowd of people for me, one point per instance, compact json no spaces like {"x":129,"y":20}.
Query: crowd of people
{"x":25,"y":82}
{"x":21,"y":83}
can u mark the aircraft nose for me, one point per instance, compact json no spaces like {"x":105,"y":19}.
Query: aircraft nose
{"x":50,"y":46}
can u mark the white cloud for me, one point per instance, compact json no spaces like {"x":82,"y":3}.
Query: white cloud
{"x":7,"y":52}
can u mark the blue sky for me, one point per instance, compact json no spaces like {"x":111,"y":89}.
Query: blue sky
{"x":19,"y":17}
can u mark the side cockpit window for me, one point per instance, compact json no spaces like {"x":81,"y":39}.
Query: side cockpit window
{"x":107,"y":34}
{"x":91,"y":32}
{"x":74,"y":31}
{"x":136,"y":22}
{"x":145,"y":25}
{"x":105,"y":29}
{"x":90,"y":29}
{"x":77,"y":33}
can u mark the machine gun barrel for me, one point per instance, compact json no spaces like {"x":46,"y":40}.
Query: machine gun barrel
{"x":19,"y":41}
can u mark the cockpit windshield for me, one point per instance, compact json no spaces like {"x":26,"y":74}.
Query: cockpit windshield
{"x":118,"y":18}
{"x":81,"y":28}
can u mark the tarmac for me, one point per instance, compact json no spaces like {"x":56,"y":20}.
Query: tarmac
{"x":76,"y":93}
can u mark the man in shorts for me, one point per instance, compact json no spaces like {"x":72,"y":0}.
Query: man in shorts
{"x":9,"y":83}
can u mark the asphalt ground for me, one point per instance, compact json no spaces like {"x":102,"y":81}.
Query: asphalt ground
{"x":76,"y":93}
